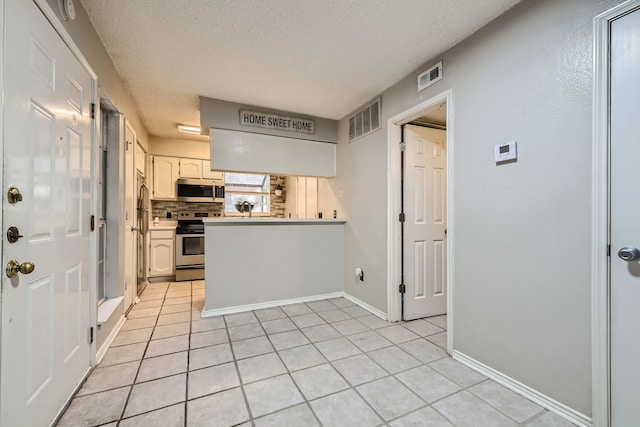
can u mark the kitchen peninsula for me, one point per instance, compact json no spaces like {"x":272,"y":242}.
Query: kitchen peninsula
{"x":253,"y":263}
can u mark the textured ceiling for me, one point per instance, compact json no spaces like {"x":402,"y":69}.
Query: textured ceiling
{"x":317,"y":57}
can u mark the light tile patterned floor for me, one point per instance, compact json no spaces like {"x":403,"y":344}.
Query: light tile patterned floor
{"x":323,"y":363}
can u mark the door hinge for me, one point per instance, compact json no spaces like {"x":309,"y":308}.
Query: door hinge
{"x":403,"y":146}
{"x":93,"y":110}
{"x":91,"y":335}
{"x":402,"y":288}
{"x":402,"y":217}
{"x":608,"y":250}
{"x":92,"y":222}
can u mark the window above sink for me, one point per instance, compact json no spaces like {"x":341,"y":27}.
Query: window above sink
{"x":252,"y":188}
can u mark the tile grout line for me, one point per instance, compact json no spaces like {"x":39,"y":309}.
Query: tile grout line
{"x":288,"y":372}
{"x":186,"y":385}
{"x":126,"y":403}
{"x":235,"y":364}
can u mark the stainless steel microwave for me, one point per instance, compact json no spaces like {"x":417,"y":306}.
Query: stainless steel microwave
{"x":200,"y":190}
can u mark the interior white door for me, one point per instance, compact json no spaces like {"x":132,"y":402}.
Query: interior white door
{"x":625,"y":226}
{"x":47,"y":153}
{"x":425,"y":207}
{"x":130,"y":219}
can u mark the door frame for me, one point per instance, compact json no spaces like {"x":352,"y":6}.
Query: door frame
{"x":600,"y":205}
{"x":394,"y":136}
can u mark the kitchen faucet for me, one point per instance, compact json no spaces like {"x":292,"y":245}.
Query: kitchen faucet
{"x":248,"y":205}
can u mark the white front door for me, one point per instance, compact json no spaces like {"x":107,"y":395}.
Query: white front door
{"x":130,"y":230}
{"x":47,"y":139}
{"x":425,"y":207}
{"x":625,"y":219}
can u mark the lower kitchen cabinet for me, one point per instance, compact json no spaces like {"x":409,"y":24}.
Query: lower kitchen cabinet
{"x":162,"y":253}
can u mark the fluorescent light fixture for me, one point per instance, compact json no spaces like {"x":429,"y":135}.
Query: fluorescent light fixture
{"x":189,"y":129}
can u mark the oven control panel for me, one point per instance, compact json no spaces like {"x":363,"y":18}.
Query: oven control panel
{"x":197,"y":215}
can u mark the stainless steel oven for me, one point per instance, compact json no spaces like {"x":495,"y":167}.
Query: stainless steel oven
{"x":190,"y":245}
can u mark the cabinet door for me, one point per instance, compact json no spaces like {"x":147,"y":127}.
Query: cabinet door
{"x":190,"y":168}
{"x":162,"y":257}
{"x":165,"y":174}
{"x":291,"y":200}
{"x":301,"y":197}
{"x":208,"y":173}
{"x":312,"y":197}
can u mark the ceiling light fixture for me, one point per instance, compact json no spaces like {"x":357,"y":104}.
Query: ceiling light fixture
{"x":189,"y":129}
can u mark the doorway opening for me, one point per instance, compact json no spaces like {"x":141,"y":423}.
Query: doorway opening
{"x":108,"y":218}
{"x":419,"y":248}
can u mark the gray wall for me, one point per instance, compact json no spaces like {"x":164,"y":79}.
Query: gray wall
{"x":85,"y":37}
{"x":522,"y":231}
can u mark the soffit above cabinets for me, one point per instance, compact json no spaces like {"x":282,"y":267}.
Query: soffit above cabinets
{"x":258,"y":153}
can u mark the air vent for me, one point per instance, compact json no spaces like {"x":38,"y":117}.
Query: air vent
{"x":365,"y":121}
{"x":430,"y":76}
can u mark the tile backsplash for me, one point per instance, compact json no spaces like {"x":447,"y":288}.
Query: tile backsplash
{"x":160,"y":208}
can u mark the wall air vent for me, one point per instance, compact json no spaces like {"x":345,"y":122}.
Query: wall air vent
{"x":430,"y":76}
{"x":365,"y":121}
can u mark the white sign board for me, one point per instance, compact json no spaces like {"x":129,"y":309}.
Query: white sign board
{"x":273,"y":121}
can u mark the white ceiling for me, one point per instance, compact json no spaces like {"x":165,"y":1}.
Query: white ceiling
{"x":317,"y":57}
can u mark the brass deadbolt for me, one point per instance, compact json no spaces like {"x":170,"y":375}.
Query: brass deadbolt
{"x":14,"y":196}
{"x":14,"y":267}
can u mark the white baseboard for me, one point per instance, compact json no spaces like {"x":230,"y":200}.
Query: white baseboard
{"x":107,"y":343}
{"x":535,"y":396}
{"x":268,"y":304}
{"x":381,"y":314}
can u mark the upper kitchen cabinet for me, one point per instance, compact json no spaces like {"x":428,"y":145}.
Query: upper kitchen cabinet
{"x":165,"y":174}
{"x":190,"y":168}
{"x":207,"y":173}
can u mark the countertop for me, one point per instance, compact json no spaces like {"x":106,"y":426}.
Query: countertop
{"x":164,"y":225}
{"x":268,"y":220}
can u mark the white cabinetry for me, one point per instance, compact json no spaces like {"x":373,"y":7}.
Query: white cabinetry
{"x":190,"y":168}
{"x":167,"y":170}
{"x":207,"y":173}
{"x":165,"y":174}
{"x":302,"y":197}
{"x":162,"y":253}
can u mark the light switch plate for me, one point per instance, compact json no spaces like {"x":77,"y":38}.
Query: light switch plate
{"x":505,"y":152}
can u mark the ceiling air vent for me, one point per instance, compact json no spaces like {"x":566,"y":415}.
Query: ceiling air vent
{"x":365,"y":121}
{"x":430,"y":76}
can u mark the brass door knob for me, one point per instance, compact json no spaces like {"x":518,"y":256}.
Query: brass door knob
{"x":14,"y":267}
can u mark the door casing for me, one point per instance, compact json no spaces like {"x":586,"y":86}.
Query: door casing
{"x":600,"y":238}
{"x":394,"y":136}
